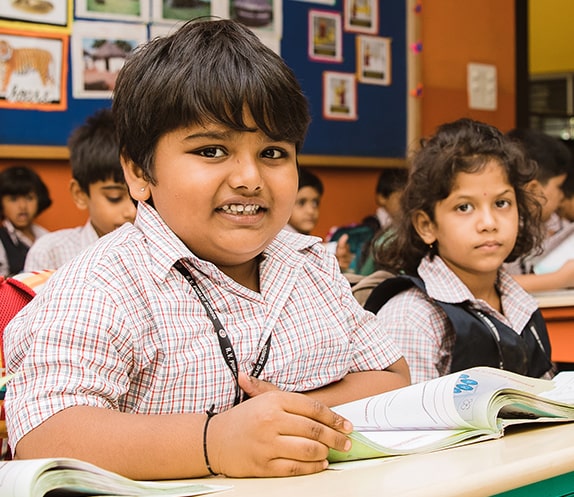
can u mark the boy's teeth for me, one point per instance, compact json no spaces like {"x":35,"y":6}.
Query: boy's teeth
{"x":240,"y":209}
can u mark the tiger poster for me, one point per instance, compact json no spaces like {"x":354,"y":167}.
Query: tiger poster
{"x":33,"y":69}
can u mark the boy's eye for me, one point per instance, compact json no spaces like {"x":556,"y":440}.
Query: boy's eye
{"x":274,"y":153}
{"x":211,"y":152}
{"x":115,"y":200}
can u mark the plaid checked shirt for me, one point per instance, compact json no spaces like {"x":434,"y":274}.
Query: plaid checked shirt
{"x":421,"y":328}
{"x":120,"y":328}
{"x":58,"y":247}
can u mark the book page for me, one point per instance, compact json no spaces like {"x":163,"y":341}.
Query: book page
{"x":563,"y":390}
{"x":456,"y":401}
{"x":558,"y":250}
{"x":37,"y":477}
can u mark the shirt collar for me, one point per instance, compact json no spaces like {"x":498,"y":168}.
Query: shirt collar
{"x":166,"y":248}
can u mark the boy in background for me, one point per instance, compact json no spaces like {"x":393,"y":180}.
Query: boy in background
{"x":97,"y":186}
{"x":566,"y":208}
{"x":305,"y":215}
{"x":553,"y":159}
{"x":390,"y":186}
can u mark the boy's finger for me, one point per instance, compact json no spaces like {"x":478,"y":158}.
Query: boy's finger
{"x":253,"y":386}
{"x":317,"y":411}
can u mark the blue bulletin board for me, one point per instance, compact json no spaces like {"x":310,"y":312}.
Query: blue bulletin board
{"x":379,"y":129}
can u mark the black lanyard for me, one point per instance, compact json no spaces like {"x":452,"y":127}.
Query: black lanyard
{"x":224,"y":342}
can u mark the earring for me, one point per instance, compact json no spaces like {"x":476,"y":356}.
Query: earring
{"x":431,"y":246}
{"x":142,"y":189}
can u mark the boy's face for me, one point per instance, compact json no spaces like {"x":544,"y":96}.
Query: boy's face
{"x":392,"y":203}
{"x":550,"y":195}
{"x":566,"y":209}
{"x":224,"y":193}
{"x":109,"y":206}
{"x":306,"y":210}
{"x":20,"y":210}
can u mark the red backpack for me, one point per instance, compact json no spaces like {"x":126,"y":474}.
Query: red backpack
{"x":15,"y":293}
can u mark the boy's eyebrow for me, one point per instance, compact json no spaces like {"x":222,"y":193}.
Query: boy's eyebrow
{"x":215,"y":134}
{"x":117,"y":186}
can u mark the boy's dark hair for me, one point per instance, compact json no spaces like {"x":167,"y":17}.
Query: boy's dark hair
{"x":94,"y":151}
{"x":465,"y":146}
{"x":307,"y":178}
{"x":391,"y":180}
{"x":550,"y":154}
{"x":208,"y":71}
{"x":568,"y":186}
{"x":21,"y":180}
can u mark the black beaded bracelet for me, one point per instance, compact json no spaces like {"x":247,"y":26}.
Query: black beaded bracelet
{"x":210,"y":415}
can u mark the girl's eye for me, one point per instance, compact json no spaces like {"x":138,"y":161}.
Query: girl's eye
{"x":464,"y":208}
{"x":211,"y":152}
{"x":274,"y":153}
{"x":502,"y":203}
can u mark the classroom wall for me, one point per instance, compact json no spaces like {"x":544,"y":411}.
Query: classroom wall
{"x":453,"y":33}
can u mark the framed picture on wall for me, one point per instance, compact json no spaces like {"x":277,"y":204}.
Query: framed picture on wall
{"x":373,"y":60}
{"x":362,"y":16}
{"x":325,"y":36}
{"x":179,"y":11}
{"x":34,"y":70}
{"x":133,"y":10}
{"x":36,"y":14}
{"x":99,"y":50}
{"x":339,"y":96}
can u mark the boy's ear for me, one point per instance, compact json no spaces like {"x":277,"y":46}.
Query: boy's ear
{"x":381,"y":200}
{"x":79,"y":196}
{"x":424,"y":227}
{"x":137,"y":184}
{"x":534,"y":186}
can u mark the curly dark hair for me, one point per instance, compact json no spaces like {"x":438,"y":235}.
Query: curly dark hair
{"x":464,"y":146}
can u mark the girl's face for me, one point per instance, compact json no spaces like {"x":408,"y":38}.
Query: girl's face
{"x":20,"y":210}
{"x":306,"y":210}
{"x":476,"y":226}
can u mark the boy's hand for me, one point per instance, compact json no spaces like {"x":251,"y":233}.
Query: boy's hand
{"x":565,"y":275}
{"x":275,"y":433}
{"x":253,"y":386}
{"x":343,"y":253}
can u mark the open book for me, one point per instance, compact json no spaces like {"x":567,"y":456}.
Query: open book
{"x":71,"y":477}
{"x":459,"y":408}
{"x":558,"y":249}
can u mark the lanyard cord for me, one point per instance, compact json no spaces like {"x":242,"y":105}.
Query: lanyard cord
{"x":224,"y":343}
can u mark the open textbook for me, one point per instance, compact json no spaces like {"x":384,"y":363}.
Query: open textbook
{"x":74,"y":478}
{"x":558,"y":249}
{"x":459,"y":408}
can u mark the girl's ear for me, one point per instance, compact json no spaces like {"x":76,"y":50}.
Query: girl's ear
{"x":424,"y":226}
{"x":135,"y":179}
{"x":79,"y":196}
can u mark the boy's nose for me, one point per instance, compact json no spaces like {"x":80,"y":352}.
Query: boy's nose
{"x":246,"y":174}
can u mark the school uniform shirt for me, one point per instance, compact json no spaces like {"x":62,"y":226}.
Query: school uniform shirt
{"x":561,"y":230}
{"x":421,"y":328}
{"x":58,"y":247}
{"x":120,"y":328}
{"x":17,"y":237}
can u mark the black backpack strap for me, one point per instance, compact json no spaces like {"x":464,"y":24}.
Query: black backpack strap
{"x":390,"y":287}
